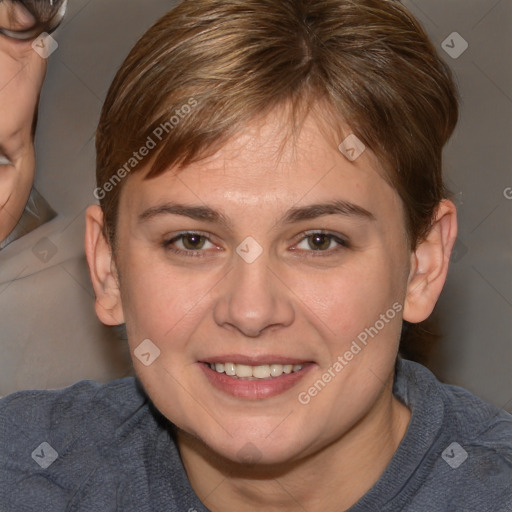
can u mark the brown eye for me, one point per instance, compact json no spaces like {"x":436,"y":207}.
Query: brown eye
{"x":193,"y":241}
{"x":319,"y":242}
{"x":189,"y":244}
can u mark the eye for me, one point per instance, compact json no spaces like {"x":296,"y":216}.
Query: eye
{"x":188,"y":244}
{"x":320,"y":241}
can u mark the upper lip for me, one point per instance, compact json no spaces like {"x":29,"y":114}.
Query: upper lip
{"x":254,"y":360}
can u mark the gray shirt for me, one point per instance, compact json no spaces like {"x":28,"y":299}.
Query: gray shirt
{"x":102,"y":448}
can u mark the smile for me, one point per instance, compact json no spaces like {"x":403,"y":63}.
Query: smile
{"x":264,"y":371}
{"x":255,"y":381}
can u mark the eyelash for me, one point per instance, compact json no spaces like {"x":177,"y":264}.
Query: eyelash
{"x":167,"y":244}
{"x":342,"y":244}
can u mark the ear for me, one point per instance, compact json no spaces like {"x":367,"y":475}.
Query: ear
{"x":429,"y":264}
{"x":102,"y":269}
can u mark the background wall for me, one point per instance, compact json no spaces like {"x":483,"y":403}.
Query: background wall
{"x":49,"y":335}
{"x":474,"y":311}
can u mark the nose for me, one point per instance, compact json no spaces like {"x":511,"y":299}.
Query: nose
{"x":253,"y":300}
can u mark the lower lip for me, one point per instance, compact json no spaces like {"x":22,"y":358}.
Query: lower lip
{"x":254,"y":389}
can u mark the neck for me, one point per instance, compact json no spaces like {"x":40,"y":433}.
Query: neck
{"x":334,"y":478}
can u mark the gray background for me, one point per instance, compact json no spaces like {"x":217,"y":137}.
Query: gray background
{"x":49,"y":335}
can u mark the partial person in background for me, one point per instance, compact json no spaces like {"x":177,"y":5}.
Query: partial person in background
{"x":22,"y":72}
{"x":45,"y":299}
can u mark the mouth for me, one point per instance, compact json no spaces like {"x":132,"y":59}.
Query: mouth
{"x":263,"y":371}
{"x":262,"y":379}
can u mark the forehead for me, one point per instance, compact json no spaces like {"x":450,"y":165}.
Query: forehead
{"x":269,"y":166}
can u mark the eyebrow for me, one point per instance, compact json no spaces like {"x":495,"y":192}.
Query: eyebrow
{"x":203,"y":213}
{"x":295,"y":214}
{"x":337,"y":207}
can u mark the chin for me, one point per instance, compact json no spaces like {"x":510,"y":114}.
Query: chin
{"x":257,"y":446}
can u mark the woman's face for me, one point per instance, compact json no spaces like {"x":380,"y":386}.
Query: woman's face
{"x":290,"y":256}
{"x":22,"y":73}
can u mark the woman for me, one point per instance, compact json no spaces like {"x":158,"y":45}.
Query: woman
{"x":271,"y":211}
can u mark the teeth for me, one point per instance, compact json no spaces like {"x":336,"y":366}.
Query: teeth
{"x":263,"y":371}
{"x":243,"y":371}
{"x":229,"y":368}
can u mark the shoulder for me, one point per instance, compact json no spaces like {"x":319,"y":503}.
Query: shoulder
{"x":54,"y":444}
{"x":473,"y":419}
{"x":64,"y":407}
{"x":467,"y":414}
{"x":481,"y":447}
{"x":469,"y":462}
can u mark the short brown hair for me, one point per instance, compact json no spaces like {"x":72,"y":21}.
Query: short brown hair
{"x":370,"y":61}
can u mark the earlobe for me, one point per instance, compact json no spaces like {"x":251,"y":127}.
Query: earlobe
{"x":102,"y":269}
{"x":429,"y":264}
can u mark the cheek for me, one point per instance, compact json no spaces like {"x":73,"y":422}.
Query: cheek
{"x":160,"y":301}
{"x":351,"y":297}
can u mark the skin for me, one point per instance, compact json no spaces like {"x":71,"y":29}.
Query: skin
{"x":22,"y":73}
{"x":292,"y":301}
